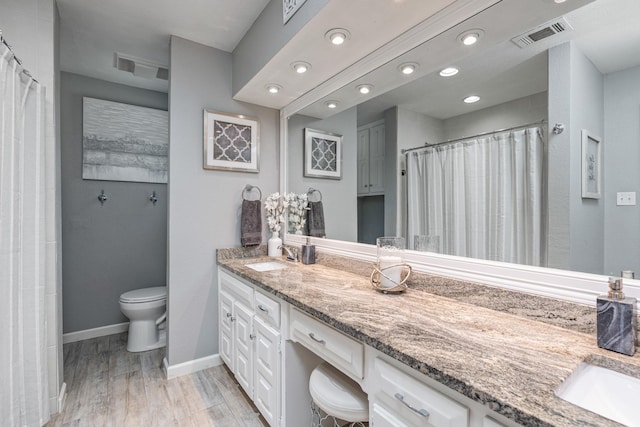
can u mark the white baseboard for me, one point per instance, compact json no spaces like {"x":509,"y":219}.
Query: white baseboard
{"x":95,"y":332}
{"x":190,"y":366}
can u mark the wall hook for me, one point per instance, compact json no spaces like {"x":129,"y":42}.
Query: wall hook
{"x":153,"y":198}
{"x":558,"y":128}
{"x":102,"y":197}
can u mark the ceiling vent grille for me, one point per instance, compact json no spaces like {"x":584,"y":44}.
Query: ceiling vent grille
{"x":141,"y":67}
{"x":542,"y":32}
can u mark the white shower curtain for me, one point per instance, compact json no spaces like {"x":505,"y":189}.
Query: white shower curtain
{"x":483,"y":197}
{"x":23,"y":340}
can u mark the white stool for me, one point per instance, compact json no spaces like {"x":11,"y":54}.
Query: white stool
{"x":338,"y":397}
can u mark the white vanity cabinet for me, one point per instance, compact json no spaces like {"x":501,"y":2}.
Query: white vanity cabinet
{"x":371,"y":154}
{"x":250,"y":342}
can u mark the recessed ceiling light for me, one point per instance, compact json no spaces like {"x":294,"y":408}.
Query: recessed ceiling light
{"x":408,"y":67}
{"x":337,"y":36}
{"x":301,"y":67}
{"x":471,"y":99}
{"x":470,"y":37}
{"x":331,"y":104}
{"x":449,"y":71}
{"x":559,"y":1}
{"x":364,"y":89}
{"x":273,"y":88}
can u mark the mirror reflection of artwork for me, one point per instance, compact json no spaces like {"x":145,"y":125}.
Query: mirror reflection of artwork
{"x":590,"y":166}
{"x":322,"y":154}
{"x":122,"y":142}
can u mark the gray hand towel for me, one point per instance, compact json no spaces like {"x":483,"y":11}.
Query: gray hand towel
{"x":315,"y":219}
{"x":251,"y":223}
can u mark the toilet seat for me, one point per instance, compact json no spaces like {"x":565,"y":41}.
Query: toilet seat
{"x":156,"y":293}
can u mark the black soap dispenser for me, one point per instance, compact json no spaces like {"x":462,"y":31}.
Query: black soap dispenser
{"x":308,"y":253}
{"x":616,"y":322}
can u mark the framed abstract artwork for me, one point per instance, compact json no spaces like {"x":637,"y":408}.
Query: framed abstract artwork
{"x":231,"y":142}
{"x":322,"y":154}
{"x":122,"y":142}
{"x":591,"y":165}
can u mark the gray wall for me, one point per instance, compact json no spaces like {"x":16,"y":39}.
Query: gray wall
{"x":266,"y":37}
{"x":339,"y":197}
{"x":576,"y":225}
{"x":370,"y":219}
{"x":112,"y":248}
{"x":622,"y":152}
{"x":204,"y":205}
{"x":587,"y":215}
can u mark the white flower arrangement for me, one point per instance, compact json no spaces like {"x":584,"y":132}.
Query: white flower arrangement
{"x":297,"y":204}
{"x":275,"y":208}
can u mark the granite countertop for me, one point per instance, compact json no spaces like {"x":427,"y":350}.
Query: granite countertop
{"x":509,"y":363}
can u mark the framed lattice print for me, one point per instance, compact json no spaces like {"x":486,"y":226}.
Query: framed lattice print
{"x":322,"y":154}
{"x":231,"y":142}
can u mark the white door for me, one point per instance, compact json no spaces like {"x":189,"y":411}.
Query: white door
{"x":376,"y":159}
{"x":363,"y":161}
{"x":267,"y":379}
{"x":243,"y":351}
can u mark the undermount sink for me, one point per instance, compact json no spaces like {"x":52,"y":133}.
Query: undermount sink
{"x":603,"y":391}
{"x":266,"y":266}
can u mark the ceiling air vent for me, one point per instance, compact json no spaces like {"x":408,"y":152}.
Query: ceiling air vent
{"x":141,"y":67}
{"x":542,"y":32}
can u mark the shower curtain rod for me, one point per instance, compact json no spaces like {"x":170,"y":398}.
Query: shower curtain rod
{"x":24,"y":70}
{"x":539,"y":122}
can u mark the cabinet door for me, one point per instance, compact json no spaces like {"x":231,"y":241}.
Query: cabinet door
{"x":363,"y":161}
{"x":226,"y":329}
{"x":267,"y":380}
{"x":243,"y":351}
{"x":376,"y":159}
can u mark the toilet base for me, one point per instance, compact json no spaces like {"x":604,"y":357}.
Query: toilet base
{"x":150,"y":342}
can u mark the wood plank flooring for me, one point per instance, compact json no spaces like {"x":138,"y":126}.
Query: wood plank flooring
{"x":108,"y":386}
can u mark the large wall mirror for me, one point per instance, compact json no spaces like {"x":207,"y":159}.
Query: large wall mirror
{"x":501,"y":178}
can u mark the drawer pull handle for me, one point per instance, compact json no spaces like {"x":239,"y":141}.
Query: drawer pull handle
{"x":251,"y":336}
{"x":262,"y":308}
{"x":313,"y":337}
{"x":422,"y":412}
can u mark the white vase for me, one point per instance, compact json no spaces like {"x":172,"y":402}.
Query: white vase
{"x":273,"y":245}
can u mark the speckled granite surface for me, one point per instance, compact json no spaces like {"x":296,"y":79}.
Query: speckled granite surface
{"x":510,"y":363}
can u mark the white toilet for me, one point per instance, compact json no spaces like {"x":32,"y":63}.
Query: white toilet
{"x":146,"y":310}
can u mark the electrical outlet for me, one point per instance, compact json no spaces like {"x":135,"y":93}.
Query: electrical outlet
{"x":626,"y":198}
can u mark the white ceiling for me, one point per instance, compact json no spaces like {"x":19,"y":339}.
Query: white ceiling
{"x":91,"y":31}
{"x":605,"y":30}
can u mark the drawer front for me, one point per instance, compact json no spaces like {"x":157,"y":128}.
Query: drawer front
{"x":490,"y":422}
{"x":341,"y":351}
{"x":267,"y":309}
{"x":239,"y":290}
{"x":414,"y":402}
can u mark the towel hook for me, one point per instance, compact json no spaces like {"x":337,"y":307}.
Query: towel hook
{"x":153,"y":198}
{"x":250,"y":187}
{"x":310,"y":191}
{"x":102,"y":197}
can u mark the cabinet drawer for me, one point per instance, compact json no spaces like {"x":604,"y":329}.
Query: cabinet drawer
{"x":267,"y":309}
{"x":343,"y":352}
{"x":414,"y":402}
{"x":239,"y":290}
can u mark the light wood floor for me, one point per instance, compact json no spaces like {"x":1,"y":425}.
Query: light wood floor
{"x":108,"y":386}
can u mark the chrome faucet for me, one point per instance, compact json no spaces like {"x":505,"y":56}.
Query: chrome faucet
{"x":292,"y":254}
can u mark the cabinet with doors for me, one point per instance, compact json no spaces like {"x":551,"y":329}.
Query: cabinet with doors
{"x":250,"y":343}
{"x":371,"y":155}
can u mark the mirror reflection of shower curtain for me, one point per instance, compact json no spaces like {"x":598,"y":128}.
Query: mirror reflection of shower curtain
{"x":482,"y":196}
{"x":23,"y":254}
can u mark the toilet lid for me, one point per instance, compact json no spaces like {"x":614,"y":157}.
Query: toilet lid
{"x":145,"y":295}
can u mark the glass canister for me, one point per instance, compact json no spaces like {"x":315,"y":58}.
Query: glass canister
{"x":390,"y":260}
